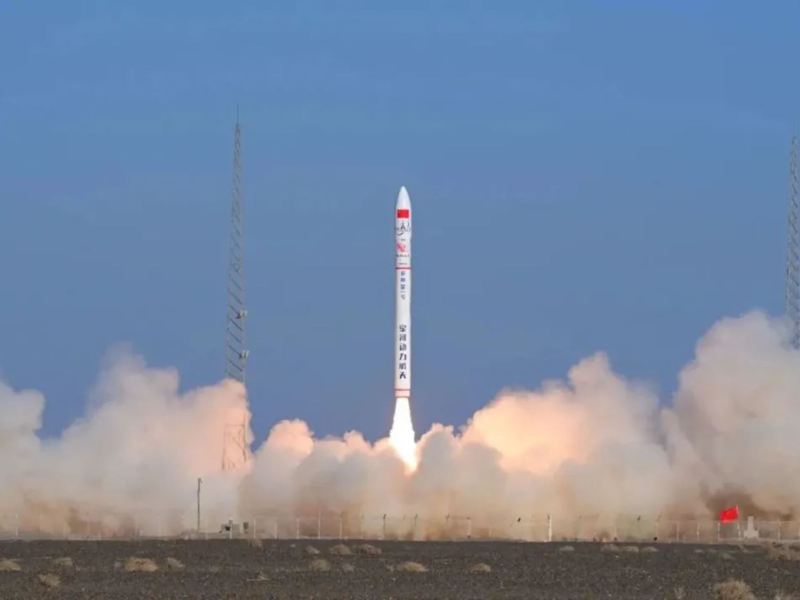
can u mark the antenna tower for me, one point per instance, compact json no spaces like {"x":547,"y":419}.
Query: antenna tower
{"x":234,"y":452}
{"x":793,"y":250}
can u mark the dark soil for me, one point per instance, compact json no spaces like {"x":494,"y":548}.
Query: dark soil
{"x":282,"y":569}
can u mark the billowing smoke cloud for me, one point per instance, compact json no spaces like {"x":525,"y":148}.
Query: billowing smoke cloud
{"x":133,"y":459}
{"x":595,"y":444}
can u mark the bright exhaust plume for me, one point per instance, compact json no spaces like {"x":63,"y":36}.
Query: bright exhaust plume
{"x":401,"y":436}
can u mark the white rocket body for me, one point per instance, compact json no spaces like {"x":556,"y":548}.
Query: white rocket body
{"x":402,"y":329}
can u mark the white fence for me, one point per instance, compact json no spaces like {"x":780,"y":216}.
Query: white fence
{"x":403,"y":527}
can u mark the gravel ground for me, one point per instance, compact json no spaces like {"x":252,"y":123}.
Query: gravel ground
{"x":290,"y":569}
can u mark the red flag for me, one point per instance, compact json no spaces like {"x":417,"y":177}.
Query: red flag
{"x":729,"y":515}
{"x":403,"y":213}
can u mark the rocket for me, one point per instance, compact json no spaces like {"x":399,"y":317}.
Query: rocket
{"x":402,"y":266}
{"x":401,"y":435}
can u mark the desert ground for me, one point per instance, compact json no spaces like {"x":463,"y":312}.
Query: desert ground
{"x":392,"y":569}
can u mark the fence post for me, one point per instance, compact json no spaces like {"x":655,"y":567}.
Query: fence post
{"x":415,"y":527}
{"x":16,"y":525}
{"x":341,"y":536}
{"x":549,"y":528}
{"x":383,"y":534}
{"x":469,"y":528}
{"x":297,"y":527}
{"x":719,"y":528}
{"x":275,"y":528}
{"x":199,"y":487}
{"x":319,"y":524}
{"x":255,"y":528}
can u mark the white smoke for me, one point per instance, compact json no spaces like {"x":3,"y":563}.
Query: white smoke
{"x":134,"y":458}
{"x":594,"y":444}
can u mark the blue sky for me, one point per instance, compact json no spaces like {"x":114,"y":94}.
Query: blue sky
{"x":585,"y":176}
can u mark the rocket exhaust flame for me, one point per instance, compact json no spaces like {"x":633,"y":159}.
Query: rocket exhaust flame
{"x":401,"y":436}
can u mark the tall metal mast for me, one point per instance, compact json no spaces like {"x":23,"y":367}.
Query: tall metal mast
{"x":234,"y":452}
{"x":235,"y":331}
{"x":793,"y":250}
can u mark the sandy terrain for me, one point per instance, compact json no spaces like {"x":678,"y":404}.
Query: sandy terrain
{"x":290,"y":569}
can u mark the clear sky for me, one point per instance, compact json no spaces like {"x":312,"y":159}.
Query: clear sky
{"x":585,"y":176}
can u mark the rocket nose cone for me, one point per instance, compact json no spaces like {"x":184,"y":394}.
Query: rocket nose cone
{"x":403,"y":201}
